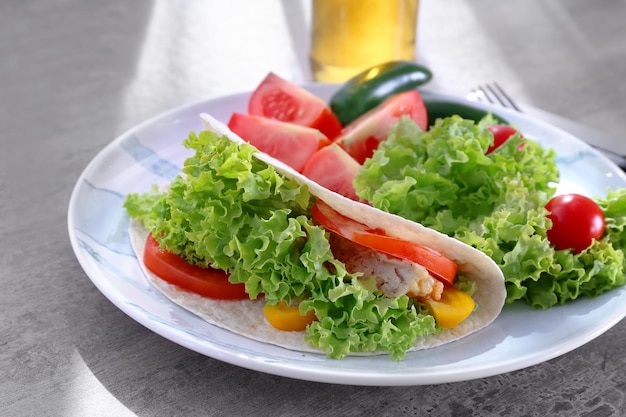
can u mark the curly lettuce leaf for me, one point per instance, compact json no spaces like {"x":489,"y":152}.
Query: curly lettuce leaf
{"x":614,"y":208}
{"x":442,"y":177}
{"x":231,"y":211}
{"x":495,"y":203}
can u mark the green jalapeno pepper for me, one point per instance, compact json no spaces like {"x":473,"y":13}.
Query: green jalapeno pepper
{"x":372,"y":86}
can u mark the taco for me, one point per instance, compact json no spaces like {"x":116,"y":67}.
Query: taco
{"x":289,"y":240}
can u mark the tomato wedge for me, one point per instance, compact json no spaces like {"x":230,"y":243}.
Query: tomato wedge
{"x":437,"y":264}
{"x":207,"y":282}
{"x":277,"y":98}
{"x":290,"y":143}
{"x":333,"y":168}
{"x":288,"y":318}
{"x":501,"y":133}
{"x":361,"y":137}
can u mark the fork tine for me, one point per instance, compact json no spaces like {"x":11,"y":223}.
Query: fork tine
{"x":494,"y":94}
{"x":502,"y":96}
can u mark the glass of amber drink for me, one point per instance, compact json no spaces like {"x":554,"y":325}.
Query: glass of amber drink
{"x":349,"y":36}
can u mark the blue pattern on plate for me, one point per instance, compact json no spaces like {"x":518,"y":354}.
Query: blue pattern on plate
{"x":110,"y":263}
{"x":103,"y":260}
{"x":149,"y":159}
{"x":574,"y":158}
{"x":101,"y":203}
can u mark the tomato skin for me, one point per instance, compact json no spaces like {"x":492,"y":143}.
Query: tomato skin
{"x":207,"y":282}
{"x":277,"y":98}
{"x":501,"y":133}
{"x":290,"y":143}
{"x":576,"y":221}
{"x":333,"y":168}
{"x":436,"y":263}
{"x":361,"y":137}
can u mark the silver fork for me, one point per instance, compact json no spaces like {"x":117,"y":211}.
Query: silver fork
{"x":494,"y":94}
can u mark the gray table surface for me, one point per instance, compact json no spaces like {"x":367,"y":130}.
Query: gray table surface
{"x":76,"y":74}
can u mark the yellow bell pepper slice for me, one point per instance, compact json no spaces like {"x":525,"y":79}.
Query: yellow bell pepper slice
{"x":454,"y":307}
{"x":287,"y":318}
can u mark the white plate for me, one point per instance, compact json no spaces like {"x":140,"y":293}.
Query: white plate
{"x":152,"y":153}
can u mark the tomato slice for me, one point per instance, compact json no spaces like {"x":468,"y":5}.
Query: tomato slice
{"x":576,"y":221}
{"x":333,"y":168}
{"x":287,"y":142}
{"x":361,"y":137}
{"x":288,"y":318}
{"x":501,"y":133}
{"x":436,"y":263}
{"x":277,"y":98}
{"x":207,"y":282}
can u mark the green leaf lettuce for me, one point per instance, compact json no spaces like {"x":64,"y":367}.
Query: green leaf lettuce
{"x":231,"y":211}
{"x":443,"y":179}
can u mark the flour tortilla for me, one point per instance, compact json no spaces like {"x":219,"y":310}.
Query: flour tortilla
{"x":246,"y":317}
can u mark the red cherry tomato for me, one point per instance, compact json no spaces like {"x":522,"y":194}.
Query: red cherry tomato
{"x":207,"y":282}
{"x":501,"y":133}
{"x":290,"y":143}
{"x":436,"y":263}
{"x":361,"y":137}
{"x":277,"y":98}
{"x":576,"y":221}
{"x":332,"y":168}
